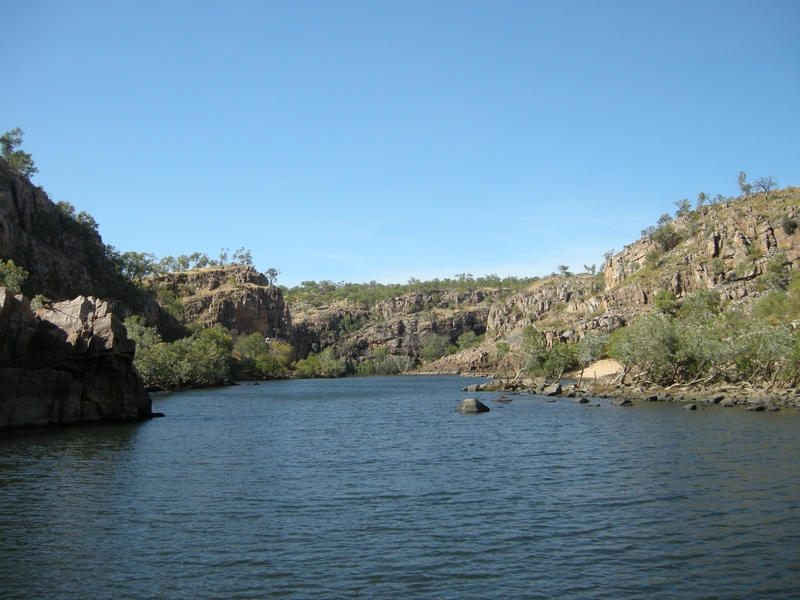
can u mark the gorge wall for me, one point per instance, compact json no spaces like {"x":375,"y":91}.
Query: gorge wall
{"x":67,"y":363}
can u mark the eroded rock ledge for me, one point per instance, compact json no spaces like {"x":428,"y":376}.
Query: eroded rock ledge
{"x":67,"y":363}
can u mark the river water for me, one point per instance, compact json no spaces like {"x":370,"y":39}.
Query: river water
{"x":374,"y":487}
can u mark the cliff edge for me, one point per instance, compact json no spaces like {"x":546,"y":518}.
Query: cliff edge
{"x":67,"y":363}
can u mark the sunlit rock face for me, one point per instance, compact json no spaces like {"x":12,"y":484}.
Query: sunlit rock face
{"x":67,"y":363}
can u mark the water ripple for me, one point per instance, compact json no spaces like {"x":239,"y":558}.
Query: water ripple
{"x":374,"y":488}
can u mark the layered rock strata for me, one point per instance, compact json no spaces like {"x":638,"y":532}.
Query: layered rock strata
{"x":67,"y":363}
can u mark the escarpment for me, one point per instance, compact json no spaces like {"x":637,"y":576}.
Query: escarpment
{"x":66,"y":363}
{"x":401,"y":325}
{"x":235,"y":296}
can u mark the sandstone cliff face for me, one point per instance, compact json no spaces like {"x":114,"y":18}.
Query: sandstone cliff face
{"x":402,"y":324}
{"x":726,"y":247}
{"x":67,"y":363}
{"x":63,"y":257}
{"x":237,"y":297}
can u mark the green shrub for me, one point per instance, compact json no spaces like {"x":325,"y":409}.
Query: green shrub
{"x":12,"y":276}
{"x":667,"y":237}
{"x":788,"y":225}
{"x":717,"y":267}
{"x":664,"y":301}
{"x":435,"y":347}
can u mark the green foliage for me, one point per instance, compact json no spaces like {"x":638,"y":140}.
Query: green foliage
{"x":12,"y":276}
{"x":325,"y":364}
{"x":16,"y":159}
{"x":779,"y":307}
{"x":664,"y":219}
{"x":665,"y":302}
{"x":700,"y":305}
{"x":653,"y":259}
{"x":380,"y":362}
{"x":741,"y":181}
{"x":260,"y":358}
{"x":717,"y":267}
{"x":650,"y":342}
{"x":591,"y":348}
{"x":243,"y":257}
{"x":600,"y":281}
{"x":469,"y":340}
{"x":564,"y":270}
{"x":560,"y":358}
{"x":435,"y":347}
{"x":684,"y":207}
{"x":788,"y":225}
{"x":667,"y":237}
{"x":202,"y":359}
{"x":370,"y":294}
{"x":703,"y":343}
{"x":39,"y":301}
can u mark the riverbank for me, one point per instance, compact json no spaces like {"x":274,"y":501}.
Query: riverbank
{"x":599,"y":381}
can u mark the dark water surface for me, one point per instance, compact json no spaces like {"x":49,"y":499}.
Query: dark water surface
{"x":376,"y":488}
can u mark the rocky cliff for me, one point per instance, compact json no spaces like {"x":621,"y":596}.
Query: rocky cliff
{"x":63,"y":256}
{"x":235,"y":296}
{"x":742,"y":249}
{"x":67,"y":363}
{"x":403,"y":324}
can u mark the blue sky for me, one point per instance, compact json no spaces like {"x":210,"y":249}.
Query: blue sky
{"x":358,"y":141}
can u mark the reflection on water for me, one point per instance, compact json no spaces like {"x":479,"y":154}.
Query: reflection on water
{"x":376,"y":487}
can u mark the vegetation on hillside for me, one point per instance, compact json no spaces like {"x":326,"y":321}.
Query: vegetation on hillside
{"x":208,"y":357}
{"x":367,"y":295}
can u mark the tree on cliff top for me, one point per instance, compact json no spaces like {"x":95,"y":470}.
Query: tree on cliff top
{"x":16,"y":159}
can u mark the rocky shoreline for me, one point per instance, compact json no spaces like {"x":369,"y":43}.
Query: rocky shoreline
{"x":753,"y":397}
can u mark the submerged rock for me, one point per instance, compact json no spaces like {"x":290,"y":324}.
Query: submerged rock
{"x":471,"y":406}
{"x":581,"y":400}
{"x":622,"y":402}
{"x":502,"y":399}
{"x":690,"y":407}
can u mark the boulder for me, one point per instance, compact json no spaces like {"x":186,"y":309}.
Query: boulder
{"x":581,"y":400}
{"x":554,"y":389}
{"x":471,"y":406}
{"x":68,"y":363}
{"x":622,"y":402}
{"x":690,"y":407}
{"x":728,"y":402}
{"x":756,"y":408}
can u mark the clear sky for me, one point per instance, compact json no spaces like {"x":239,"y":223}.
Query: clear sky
{"x":358,"y":141}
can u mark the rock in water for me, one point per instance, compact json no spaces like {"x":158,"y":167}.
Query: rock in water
{"x":502,"y":399}
{"x":622,"y":402}
{"x":690,"y":407}
{"x":554,"y":389}
{"x":472,"y":406}
{"x":71,"y":362}
{"x":581,"y":400}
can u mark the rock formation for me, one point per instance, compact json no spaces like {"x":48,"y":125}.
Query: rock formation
{"x":64,"y":257}
{"x":403,"y":324}
{"x":472,"y":406}
{"x":235,"y":296}
{"x":68,"y":363}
